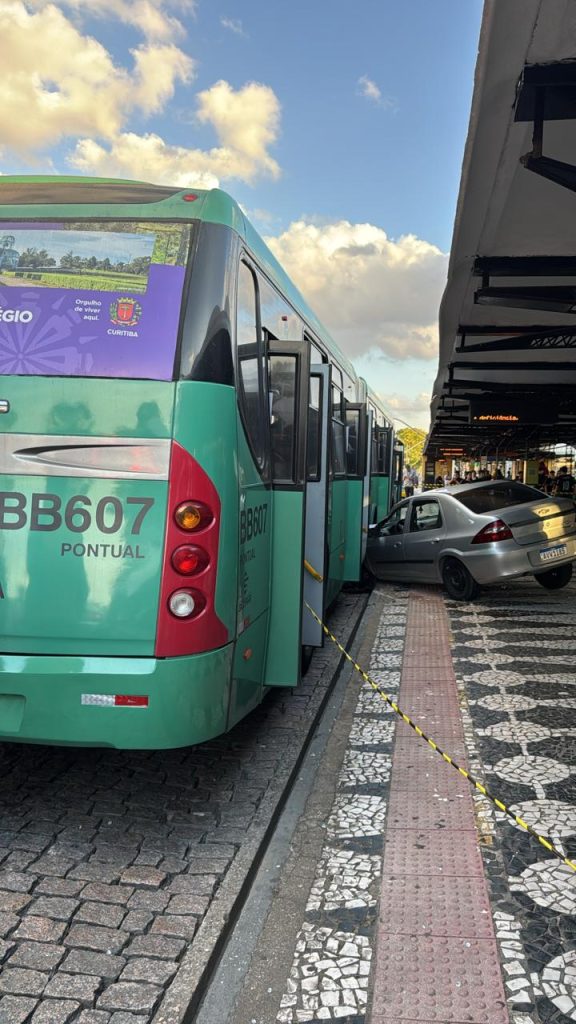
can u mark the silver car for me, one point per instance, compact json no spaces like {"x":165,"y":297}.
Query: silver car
{"x":472,"y":534}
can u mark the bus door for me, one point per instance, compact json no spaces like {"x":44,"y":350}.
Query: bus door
{"x":366,"y":487}
{"x":355,"y":472}
{"x":382,"y":473}
{"x":315,"y":548}
{"x":288,"y":382}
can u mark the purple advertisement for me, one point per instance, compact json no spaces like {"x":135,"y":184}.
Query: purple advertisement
{"x":91,"y":299}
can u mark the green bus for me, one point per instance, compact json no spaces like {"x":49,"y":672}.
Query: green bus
{"x":186,"y":460}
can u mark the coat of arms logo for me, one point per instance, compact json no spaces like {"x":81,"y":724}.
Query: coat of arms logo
{"x":125,"y":311}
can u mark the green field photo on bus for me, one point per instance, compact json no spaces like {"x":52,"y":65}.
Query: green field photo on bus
{"x":187,"y":460}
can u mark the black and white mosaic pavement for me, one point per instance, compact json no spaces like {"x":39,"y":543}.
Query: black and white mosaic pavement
{"x":514,"y":657}
{"x":331,"y":966}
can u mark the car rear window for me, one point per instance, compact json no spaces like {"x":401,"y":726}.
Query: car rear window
{"x":494,"y":497}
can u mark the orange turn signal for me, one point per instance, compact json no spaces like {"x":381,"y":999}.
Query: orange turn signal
{"x":193,"y":515}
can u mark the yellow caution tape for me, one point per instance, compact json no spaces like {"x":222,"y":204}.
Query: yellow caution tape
{"x":446,"y":757}
{"x":309,"y":568}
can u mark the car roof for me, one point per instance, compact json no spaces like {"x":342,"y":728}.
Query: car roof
{"x":456,"y":489}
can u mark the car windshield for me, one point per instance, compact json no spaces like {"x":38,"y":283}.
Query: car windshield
{"x":496,"y":496}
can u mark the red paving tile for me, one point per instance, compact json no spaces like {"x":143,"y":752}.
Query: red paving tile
{"x":436,"y":956}
{"x":438,"y":979}
{"x":415,"y":809}
{"x":448,"y":906}
{"x":422,"y":852}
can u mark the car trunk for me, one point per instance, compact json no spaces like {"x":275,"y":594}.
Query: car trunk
{"x":540,"y":524}
{"x":83,"y":492}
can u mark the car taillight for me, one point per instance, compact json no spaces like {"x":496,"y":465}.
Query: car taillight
{"x":494,"y":531}
{"x":187,"y":619}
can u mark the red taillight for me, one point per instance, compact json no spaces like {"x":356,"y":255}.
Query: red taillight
{"x":494,"y":531}
{"x":187,"y":619}
{"x":189,"y":560}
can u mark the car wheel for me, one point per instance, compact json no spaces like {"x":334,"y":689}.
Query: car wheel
{"x":556,"y":578}
{"x":458,"y":582}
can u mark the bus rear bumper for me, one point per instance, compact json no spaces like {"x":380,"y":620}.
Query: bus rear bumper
{"x":67,"y":700}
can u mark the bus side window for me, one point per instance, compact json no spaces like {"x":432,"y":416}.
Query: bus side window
{"x":352,"y":435}
{"x":314,"y":430}
{"x":338,"y":432}
{"x":250,"y":369}
{"x":282,"y":373}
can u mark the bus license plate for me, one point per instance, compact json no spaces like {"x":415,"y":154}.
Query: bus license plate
{"x":548,"y":554}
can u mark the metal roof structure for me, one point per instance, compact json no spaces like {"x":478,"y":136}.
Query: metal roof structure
{"x":507,"y":362}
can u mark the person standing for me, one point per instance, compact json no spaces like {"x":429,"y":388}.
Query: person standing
{"x":564,"y":483}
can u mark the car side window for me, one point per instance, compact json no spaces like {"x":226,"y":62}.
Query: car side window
{"x":426,"y":515}
{"x":394,"y":523}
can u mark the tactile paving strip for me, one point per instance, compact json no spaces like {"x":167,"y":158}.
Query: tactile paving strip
{"x":453,"y":907}
{"x":416,"y":808}
{"x":416,"y":852}
{"x":437,"y":960}
{"x":439,"y":979}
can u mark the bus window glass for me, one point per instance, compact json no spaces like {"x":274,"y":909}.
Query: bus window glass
{"x":278,"y":318}
{"x":249,"y":371}
{"x":314,"y":425}
{"x":91,"y":299}
{"x":352,"y":433}
{"x":282,"y":377}
{"x":338,"y":433}
{"x":316,"y":355}
{"x":349,"y":389}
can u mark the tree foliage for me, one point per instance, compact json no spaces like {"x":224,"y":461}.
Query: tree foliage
{"x":413,"y":440}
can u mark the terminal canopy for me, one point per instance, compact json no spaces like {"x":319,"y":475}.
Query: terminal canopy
{"x":507,"y":366}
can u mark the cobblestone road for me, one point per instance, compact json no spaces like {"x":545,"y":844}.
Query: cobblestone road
{"x":110,"y":861}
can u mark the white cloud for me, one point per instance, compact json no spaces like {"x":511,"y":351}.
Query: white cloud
{"x":368,"y":88}
{"x":151,"y":17}
{"x":245,"y":121}
{"x":57,"y":83}
{"x":233,"y":25}
{"x":373,"y":293}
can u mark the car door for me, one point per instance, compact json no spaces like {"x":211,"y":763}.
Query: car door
{"x":424,"y":532}
{"x":385,"y":550}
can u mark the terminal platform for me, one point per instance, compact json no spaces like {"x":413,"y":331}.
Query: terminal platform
{"x":423,"y":903}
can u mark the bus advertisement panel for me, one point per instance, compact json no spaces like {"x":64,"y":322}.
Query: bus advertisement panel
{"x":91,"y":299}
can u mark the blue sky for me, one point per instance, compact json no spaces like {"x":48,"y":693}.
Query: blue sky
{"x":339,"y":128}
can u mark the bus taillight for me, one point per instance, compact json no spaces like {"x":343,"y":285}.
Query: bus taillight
{"x":185,"y":604}
{"x":193,"y":515}
{"x":187,"y":619}
{"x":190,"y":560}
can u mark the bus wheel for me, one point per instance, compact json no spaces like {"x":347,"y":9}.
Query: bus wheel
{"x":306,"y":653}
{"x":556,"y":578}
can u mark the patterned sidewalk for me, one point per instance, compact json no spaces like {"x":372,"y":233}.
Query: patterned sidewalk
{"x":429,"y":906}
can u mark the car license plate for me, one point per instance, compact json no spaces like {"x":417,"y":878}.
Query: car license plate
{"x":548,"y":554}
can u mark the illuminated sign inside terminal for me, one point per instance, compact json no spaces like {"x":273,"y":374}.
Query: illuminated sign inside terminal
{"x":506,"y":412}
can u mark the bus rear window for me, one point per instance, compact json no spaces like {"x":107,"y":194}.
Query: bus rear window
{"x":91,"y":299}
{"x":496,"y":496}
